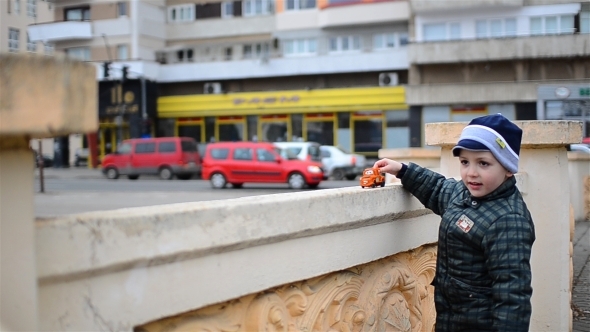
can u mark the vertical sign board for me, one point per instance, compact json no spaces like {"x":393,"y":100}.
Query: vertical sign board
{"x":125,"y":99}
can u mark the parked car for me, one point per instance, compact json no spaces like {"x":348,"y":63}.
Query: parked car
{"x":372,"y":177}
{"x":164,"y":156}
{"x":340,"y":164}
{"x":46,"y":160}
{"x":81,"y":157}
{"x":309,"y":151}
{"x":241,"y":162}
{"x":579,"y":147}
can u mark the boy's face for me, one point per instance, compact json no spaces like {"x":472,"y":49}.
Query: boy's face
{"x":481,"y":172}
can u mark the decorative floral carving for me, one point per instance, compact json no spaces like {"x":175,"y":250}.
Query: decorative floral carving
{"x":392,"y":294}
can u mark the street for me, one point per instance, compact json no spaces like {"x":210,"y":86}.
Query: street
{"x":79,"y":190}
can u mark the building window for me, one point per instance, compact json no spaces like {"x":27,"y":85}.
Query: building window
{"x":383,"y":41}
{"x":31,"y":46}
{"x":403,"y":39}
{"x":181,"y":13}
{"x":227,"y":53}
{"x":17,"y":7}
{"x":79,"y":53}
{"x":77,"y":14}
{"x":32,"y":8}
{"x":49,"y":48}
{"x":13,"y":36}
{"x":122,"y":52}
{"x":547,"y":25}
{"x":585,"y":22}
{"x":299,"y":47}
{"x":258,"y":50}
{"x":495,"y":28}
{"x":300,"y":4}
{"x":122,"y":8}
{"x":257,"y":7}
{"x":227,"y":9}
{"x":435,"y":32}
{"x":345,"y":44}
{"x":185,"y":55}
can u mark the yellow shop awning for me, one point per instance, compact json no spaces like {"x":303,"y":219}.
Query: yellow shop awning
{"x":283,"y":102}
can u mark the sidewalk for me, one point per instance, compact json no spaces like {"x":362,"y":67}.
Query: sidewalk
{"x":581,"y":280}
{"x":81,"y":172}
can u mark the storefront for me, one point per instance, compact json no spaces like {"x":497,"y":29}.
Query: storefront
{"x":565,"y":102}
{"x":361,"y":120}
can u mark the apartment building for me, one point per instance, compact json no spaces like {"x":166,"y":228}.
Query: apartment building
{"x":526,"y":59}
{"x":15,"y":17}
{"x":325,"y":70}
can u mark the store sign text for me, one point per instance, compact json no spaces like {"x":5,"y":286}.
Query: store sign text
{"x":266,"y":101}
{"x":585,"y":92}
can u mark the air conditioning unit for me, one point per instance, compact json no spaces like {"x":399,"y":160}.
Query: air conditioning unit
{"x":388,"y":79}
{"x":212,"y":88}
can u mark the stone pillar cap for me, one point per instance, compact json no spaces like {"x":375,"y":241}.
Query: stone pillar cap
{"x":43,"y":96}
{"x":536,"y":134}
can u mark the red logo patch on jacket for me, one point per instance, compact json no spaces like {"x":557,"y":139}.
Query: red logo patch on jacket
{"x":464,"y":223}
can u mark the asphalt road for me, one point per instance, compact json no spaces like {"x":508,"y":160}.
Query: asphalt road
{"x":75,"y":191}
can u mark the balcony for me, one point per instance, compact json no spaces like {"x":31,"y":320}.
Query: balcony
{"x":364,"y":13}
{"x":423,"y":6}
{"x":59,"y":31}
{"x":285,"y":66}
{"x":217,"y":28}
{"x":526,"y":47}
{"x":476,"y":93}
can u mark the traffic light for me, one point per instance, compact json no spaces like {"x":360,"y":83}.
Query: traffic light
{"x":106,"y":67}
{"x":124,"y":72}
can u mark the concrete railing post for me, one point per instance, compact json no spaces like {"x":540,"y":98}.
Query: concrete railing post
{"x":544,"y":182}
{"x":39,"y":97}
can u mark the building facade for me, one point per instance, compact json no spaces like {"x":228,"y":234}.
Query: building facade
{"x":360,"y":74}
{"x":526,"y":59}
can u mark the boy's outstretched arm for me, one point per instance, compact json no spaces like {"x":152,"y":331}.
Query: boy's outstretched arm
{"x":388,"y":166}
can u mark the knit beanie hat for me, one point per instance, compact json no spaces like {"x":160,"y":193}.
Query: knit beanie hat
{"x":492,"y":133}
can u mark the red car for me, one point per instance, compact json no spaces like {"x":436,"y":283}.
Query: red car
{"x":241,"y":162}
{"x":163,"y":156}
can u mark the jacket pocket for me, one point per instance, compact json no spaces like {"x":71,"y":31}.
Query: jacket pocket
{"x":471,"y":306}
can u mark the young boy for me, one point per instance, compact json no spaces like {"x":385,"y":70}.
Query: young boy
{"x":483,"y":273}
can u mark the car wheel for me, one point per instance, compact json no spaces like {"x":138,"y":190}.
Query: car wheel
{"x":133,"y":177}
{"x":382,"y":184}
{"x":112,"y":173}
{"x":338,"y":174}
{"x":166,"y":173}
{"x":218,"y":181}
{"x":237,"y":185}
{"x":296,"y":181}
{"x":350,"y":177}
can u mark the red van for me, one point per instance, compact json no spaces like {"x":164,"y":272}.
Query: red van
{"x":241,"y":162}
{"x":163,"y":156}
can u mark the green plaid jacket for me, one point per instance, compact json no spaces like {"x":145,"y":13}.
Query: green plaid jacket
{"x":483,"y":273}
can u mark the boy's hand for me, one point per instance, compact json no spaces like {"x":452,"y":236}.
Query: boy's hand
{"x":388,"y":166}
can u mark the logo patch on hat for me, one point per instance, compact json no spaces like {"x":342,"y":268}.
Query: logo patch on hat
{"x":500,"y":142}
{"x":464,"y":223}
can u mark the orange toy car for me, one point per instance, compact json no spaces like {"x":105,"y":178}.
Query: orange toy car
{"x":372,"y":177}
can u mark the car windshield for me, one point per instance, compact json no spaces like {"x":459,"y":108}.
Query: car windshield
{"x":315,"y":153}
{"x":288,"y":153}
{"x":343,"y":150}
{"x":188,"y":146}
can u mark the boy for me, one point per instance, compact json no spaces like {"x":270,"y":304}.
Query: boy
{"x":483,"y":273}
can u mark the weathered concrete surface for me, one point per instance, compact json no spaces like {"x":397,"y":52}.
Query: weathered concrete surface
{"x":46,"y":96}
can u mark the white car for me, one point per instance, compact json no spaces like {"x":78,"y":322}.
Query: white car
{"x":339,"y":164}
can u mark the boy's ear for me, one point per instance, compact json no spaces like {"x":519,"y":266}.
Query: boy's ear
{"x":509,"y":174}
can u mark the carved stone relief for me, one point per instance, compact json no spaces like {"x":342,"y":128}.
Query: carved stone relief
{"x":391,"y":294}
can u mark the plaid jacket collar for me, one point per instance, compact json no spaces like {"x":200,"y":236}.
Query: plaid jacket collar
{"x":506,"y":189}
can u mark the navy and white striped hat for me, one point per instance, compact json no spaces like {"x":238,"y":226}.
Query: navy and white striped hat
{"x":493,"y":133}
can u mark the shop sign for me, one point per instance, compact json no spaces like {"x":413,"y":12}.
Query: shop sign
{"x":266,"y":100}
{"x":585,"y":92}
